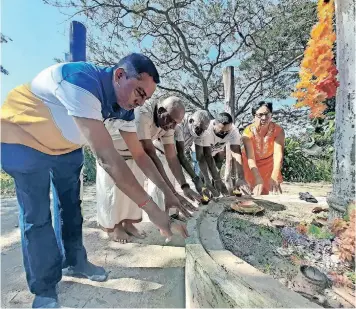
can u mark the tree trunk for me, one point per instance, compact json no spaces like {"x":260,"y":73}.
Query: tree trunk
{"x":343,"y":191}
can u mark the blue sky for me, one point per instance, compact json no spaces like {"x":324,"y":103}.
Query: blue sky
{"x":39,"y":33}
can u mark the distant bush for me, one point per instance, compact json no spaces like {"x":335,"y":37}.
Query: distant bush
{"x":299,"y":167}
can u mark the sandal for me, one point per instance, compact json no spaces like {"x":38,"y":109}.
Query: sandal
{"x":306,"y":196}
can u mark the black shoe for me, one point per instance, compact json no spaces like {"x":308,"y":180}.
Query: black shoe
{"x":86,"y":270}
{"x":307,"y":197}
{"x":46,"y":300}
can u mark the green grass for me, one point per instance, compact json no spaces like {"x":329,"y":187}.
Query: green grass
{"x":7,"y":184}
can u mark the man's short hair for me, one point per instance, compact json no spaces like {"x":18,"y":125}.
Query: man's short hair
{"x":224,"y":118}
{"x":135,"y":64}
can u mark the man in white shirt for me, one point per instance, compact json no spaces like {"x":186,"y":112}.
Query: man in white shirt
{"x":117,"y":213}
{"x":193,"y":126}
{"x":155,"y":123}
{"x":210,"y":149}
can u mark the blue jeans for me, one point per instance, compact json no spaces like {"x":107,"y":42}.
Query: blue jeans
{"x":195,"y":164}
{"x":33,"y":171}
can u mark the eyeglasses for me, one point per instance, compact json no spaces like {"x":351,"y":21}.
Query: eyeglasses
{"x":260,"y":115}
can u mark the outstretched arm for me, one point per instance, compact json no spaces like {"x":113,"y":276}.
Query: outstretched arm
{"x":278,"y":153}
{"x":252,"y":165}
{"x":150,"y":149}
{"x":112,"y":162}
{"x":183,"y":159}
{"x":277,"y":163}
{"x":144,"y":162}
{"x":188,"y":167}
{"x":237,"y":165}
{"x":177,"y":172}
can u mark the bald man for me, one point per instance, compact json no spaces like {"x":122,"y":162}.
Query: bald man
{"x":116,"y":213}
{"x":186,"y":133}
{"x":155,"y":123}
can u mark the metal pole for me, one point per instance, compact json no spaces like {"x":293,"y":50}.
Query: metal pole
{"x":77,"y":42}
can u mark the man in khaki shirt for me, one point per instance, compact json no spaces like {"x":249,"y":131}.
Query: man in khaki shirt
{"x":117,"y":213}
{"x":155,"y":124}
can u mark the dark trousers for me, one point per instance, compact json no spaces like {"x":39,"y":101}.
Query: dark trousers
{"x":33,"y":171}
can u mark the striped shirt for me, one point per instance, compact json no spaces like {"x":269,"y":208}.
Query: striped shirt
{"x":40,"y":114}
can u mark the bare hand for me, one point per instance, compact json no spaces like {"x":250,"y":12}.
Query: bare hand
{"x":177,"y":227}
{"x":159,"y":218}
{"x":179,"y":202}
{"x":257,"y":190}
{"x":189,"y":193}
{"x":243,"y":186}
{"x":274,"y":186}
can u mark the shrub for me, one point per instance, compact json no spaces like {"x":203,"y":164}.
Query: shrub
{"x":299,"y":167}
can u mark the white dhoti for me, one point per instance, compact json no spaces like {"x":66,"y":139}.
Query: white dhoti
{"x":156,"y":194}
{"x":113,"y":206}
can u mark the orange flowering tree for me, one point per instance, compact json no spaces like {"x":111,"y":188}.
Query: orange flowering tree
{"x":318,"y":71}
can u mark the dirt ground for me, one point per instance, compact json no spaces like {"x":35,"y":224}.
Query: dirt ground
{"x":143,"y":274}
{"x":260,"y":240}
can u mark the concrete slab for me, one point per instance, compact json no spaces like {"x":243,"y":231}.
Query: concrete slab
{"x":217,"y":278}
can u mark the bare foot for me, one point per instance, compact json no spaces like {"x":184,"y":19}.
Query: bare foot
{"x":119,"y":235}
{"x":132,"y":230}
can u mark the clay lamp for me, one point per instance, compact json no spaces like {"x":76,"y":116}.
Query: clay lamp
{"x":205,"y":199}
{"x":247,"y":207}
{"x":237,"y":193}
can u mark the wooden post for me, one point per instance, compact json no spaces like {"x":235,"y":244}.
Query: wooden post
{"x":343,"y":191}
{"x":229,"y":91}
{"x":229,"y":94}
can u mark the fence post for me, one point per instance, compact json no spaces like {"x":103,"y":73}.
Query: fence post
{"x":229,"y":94}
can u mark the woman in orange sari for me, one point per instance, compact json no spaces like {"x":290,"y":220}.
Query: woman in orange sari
{"x":263,"y":151}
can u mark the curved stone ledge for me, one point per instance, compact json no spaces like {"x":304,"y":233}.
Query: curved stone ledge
{"x":216,"y":278}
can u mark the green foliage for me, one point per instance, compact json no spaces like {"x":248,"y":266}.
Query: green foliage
{"x":297,"y":166}
{"x":352,"y":276}
{"x":300,"y":167}
{"x":7,"y":184}
{"x":89,"y":166}
{"x":320,"y":233}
